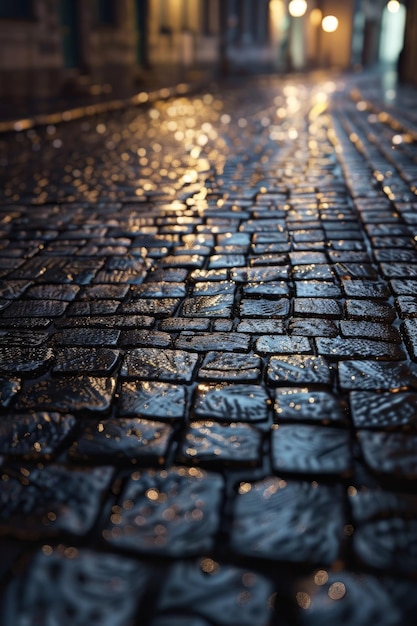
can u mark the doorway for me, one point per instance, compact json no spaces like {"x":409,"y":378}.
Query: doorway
{"x":70,"y":33}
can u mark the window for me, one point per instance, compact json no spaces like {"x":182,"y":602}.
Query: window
{"x":106,"y":12}
{"x":16,"y":9}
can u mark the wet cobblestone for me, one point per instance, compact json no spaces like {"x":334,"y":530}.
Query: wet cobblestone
{"x":208,"y":362}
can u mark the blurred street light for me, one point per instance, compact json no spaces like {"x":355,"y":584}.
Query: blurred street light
{"x":297,"y":8}
{"x":393,"y":6}
{"x":330,"y":24}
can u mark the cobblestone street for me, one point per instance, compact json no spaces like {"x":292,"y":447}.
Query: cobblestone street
{"x":208,"y":361}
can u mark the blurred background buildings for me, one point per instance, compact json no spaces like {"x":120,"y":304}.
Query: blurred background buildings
{"x":50,"y":48}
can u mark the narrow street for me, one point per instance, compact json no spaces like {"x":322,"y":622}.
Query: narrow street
{"x":208,"y":361}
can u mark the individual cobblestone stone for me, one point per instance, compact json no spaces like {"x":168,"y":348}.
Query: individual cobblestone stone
{"x":152,"y":364}
{"x":340,"y":348}
{"x":391,"y":410}
{"x":17,"y":360}
{"x":245,"y":403}
{"x":229,"y":342}
{"x":96,"y":361}
{"x":229,"y":367}
{"x":43,"y":502}
{"x":69,"y":394}
{"x":284,"y":506}
{"x":372,"y":375}
{"x":310,"y":449}
{"x":34,"y":435}
{"x":385,"y":526}
{"x":174,"y":513}
{"x":214,"y":591}
{"x":152,"y":400}
{"x":65,"y":582}
{"x":210,"y":443}
{"x":129,"y":440}
{"x":299,"y":369}
{"x":293,"y":404}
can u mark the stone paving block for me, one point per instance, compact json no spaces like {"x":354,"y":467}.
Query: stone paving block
{"x":128,"y":440}
{"x":311,"y":449}
{"x":317,"y":289}
{"x":158,"y":290}
{"x":220,"y":593}
{"x":211,"y":443}
{"x":341,"y":348}
{"x":270,"y":289}
{"x":404,"y":287}
{"x":219,"y":261}
{"x":259,"y":274}
{"x":152,"y":400}
{"x":313,"y":327}
{"x":66,"y":293}
{"x":146,"y":338}
{"x":86,"y":394}
{"x":390,"y":454}
{"x":35,"y":308}
{"x":45,"y":501}
{"x":230,"y":367}
{"x":345,"y":597}
{"x":293,"y":404}
{"x":13,"y":289}
{"x":178,"y":324}
{"x":385,"y":531}
{"x":399,"y":270}
{"x":318,"y":307}
{"x":206,"y":342}
{"x":372,"y":311}
{"x":407,"y":306}
{"x":94,"y":307}
{"x":171,"y":512}
{"x":228,"y":402}
{"x":65,"y":584}
{"x":17,"y":360}
{"x":370,"y":330}
{"x":154,"y":364}
{"x":277,"y":344}
{"x":96,"y":361}
{"x":23,"y":338}
{"x":365,"y":289}
{"x":104,"y":292}
{"x":299,"y":369}
{"x":34,"y":435}
{"x":389,"y":410}
{"x":250,"y":307}
{"x":160,"y":307}
{"x":260,"y":326}
{"x":213,"y":288}
{"x":86,"y":337}
{"x":210,"y":306}
{"x":313,"y":271}
{"x":377,"y":376}
{"x":289,"y":521}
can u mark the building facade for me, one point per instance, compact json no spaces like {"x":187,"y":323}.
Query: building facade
{"x":54,"y":47}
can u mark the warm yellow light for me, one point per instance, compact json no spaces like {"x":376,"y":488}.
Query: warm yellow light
{"x":297,"y":8}
{"x":315,"y":17}
{"x":330,"y":23}
{"x":393,"y":6}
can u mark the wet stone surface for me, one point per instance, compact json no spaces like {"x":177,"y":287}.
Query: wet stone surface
{"x":173,"y":513}
{"x":308,"y":449}
{"x":286,"y":507}
{"x":130,"y":440}
{"x":212,"y":443}
{"x":154,"y":364}
{"x":66,"y":585}
{"x":208,"y":382}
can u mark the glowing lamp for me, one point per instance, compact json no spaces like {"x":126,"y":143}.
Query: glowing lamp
{"x":393,"y":6}
{"x":330,"y":23}
{"x":297,"y":8}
